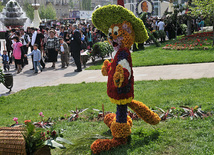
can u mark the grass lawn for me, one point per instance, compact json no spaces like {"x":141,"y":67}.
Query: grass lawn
{"x":175,"y":136}
{"x":154,"y":56}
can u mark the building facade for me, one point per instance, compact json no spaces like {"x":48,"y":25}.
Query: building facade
{"x":61,"y":6}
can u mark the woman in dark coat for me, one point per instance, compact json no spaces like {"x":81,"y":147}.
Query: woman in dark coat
{"x":52,"y":48}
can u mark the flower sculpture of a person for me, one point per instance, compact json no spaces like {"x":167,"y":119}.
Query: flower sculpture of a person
{"x":123,"y":29}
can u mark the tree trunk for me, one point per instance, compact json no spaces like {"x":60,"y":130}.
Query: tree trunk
{"x":120,"y":2}
{"x":189,"y":27}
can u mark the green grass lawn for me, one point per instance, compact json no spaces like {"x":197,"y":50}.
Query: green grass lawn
{"x":154,"y":56}
{"x":175,"y":136}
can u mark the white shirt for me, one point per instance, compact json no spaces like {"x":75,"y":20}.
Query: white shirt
{"x":62,"y":48}
{"x":34,"y":38}
{"x":161,"y":25}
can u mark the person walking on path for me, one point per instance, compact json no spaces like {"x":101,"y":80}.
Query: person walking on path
{"x":17,"y":53}
{"x":52,"y":48}
{"x":75,"y":47}
{"x":64,"y":51}
{"x":25,"y":42}
{"x":36,"y":58}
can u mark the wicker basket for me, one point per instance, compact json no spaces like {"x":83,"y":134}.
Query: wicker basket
{"x":12,"y":141}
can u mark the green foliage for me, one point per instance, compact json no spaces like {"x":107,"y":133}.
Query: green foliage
{"x":162,"y":33}
{"x":1,"y":76}
{"x":115,"y":14}
{"x":101,"y":49}
{"x":42,"y":12}
{"x":86,"y":4}
{"x":205,"y":8}
{"x":33,"y":139}
{"x":29,"y":10}
{"x":1,"y":6}
{"x":152,"y":37}
{"x":47,"y":12}
{"x":184,"y":28}
{"x":71,"y":3}
{"x":50,"y":12}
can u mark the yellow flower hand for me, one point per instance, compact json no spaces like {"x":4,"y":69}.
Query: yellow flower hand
{"x":104,"y":68}
{"x":118,"y":76}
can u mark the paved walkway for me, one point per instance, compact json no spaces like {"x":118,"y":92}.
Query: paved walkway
{"x":50,"y":77}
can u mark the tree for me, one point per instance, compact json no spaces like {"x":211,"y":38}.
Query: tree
{"x":50,"y":12}
{"x":1,"y":6}
{"x":86,"y":4}
{"x":42,"y":12}
{"x":203,"y":8}
{"x":71,"y":3}
{"x":47,"y":12}
{"x":29,"y":10}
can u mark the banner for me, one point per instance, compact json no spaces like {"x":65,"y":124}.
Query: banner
{"x":86,"y":15}
{"x":145,"y":6}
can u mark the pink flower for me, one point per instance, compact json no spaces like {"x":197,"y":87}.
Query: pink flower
{"x":16,"y":120}
{"x":41,"y":113}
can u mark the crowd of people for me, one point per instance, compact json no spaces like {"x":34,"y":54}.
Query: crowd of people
{"x":46,"y":43}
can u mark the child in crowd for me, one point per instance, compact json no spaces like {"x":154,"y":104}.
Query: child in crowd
{"x":36,"y":58}
{"x":64,"y":51}
{"x":5,"y":61}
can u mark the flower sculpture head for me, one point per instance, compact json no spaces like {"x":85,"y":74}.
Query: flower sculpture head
{"x":115,"y":18}
{"x":121,"y":35}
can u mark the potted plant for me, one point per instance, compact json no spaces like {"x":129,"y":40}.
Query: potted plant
{"x":39,"y":141}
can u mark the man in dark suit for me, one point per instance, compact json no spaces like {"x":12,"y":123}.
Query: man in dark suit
{"x":75,"y":47}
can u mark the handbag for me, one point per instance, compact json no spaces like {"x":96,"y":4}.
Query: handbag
{"x":46,"y":57}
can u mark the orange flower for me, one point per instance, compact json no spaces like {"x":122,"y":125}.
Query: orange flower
{"x":27,"y":121}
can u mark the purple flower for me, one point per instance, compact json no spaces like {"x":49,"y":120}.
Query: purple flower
{"x":41,"y":113}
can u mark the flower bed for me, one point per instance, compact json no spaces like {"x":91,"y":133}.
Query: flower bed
{"x":194,"y":41}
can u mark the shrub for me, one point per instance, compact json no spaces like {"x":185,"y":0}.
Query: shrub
{"x":156,"y":34}
{"x":183,"y":28}
{"x":101,"y":49}
{"x":162,"y":34}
